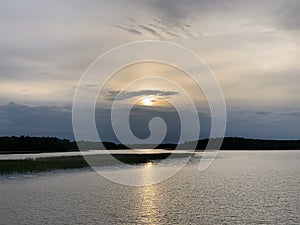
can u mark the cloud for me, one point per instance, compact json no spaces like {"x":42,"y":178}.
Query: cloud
{"x":272,"y":124}
{"x":20,"y":119}
{"x":159,"y":28}
{"x":152,"y":31}
{"x":288,"y":16}
{"x":178,"y":12}
{"x":139,"y":123}
{"x":130,"y":30}
{"x":164,"y":29}
{"x":262,"y":113}
{"x":17,"y":119}
{"x":122,"y":95}
{"x":280,"y":114}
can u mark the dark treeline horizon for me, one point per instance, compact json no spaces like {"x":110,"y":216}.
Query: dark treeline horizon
{"x":27,"y":144}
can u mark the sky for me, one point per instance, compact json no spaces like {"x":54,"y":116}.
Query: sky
{"x":252,"y":47}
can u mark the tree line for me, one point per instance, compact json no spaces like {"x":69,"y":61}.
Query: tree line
{"x":26,"y":144}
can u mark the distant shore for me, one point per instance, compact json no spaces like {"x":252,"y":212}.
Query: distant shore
{"x":26,"y":144}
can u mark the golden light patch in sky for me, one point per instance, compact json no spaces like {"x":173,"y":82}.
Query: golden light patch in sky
{"x":148,"y":100}
{"x":136,"y":71}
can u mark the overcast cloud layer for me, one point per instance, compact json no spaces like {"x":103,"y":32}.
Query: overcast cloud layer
{"x":253,"y":47}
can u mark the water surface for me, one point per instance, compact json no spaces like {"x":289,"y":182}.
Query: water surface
{"x":248,"y":187}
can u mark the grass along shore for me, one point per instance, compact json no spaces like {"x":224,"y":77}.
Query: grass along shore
{"x":72,"y":162}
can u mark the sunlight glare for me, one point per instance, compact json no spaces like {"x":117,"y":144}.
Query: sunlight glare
{"x":147,"y":101}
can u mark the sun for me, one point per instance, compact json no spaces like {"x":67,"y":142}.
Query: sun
{"x":147,"y":101}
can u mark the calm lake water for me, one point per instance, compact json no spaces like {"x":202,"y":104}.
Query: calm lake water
{"x":248,"y":187}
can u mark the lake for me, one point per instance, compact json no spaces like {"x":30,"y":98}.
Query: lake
{"x":240,"y":187}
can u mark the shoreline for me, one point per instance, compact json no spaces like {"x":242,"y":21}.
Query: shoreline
{"x":48,"y":163}
{"x":44,"y":164}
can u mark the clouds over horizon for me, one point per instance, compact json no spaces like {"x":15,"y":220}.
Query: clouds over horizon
{"x":253,"y":47}
{"x":17,"y":119}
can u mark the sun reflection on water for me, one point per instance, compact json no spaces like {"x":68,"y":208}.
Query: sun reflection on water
{"x":149,"y":211}
{"x":149,"y":164}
